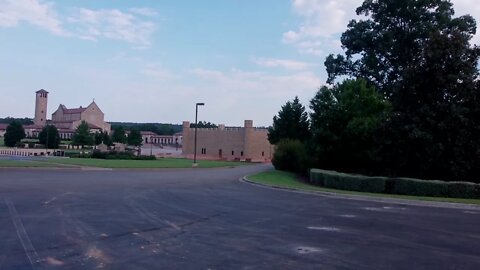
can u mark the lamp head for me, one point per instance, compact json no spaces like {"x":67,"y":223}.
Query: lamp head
{"x":200,"y":104}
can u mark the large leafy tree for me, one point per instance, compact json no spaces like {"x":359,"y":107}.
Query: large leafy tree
{"x":98,"y":138}
{"x":14,"y":134}
{"x":344,"y":119}
{"x":135,"y":138}
{"x":82,"y":135}
{"x":418,"y":56}
{"x":290,"y":123}
{"x":119,"y":135}
{"x":49,"y":136}
{"x":107,"y":140}
{"x":103,"y":137}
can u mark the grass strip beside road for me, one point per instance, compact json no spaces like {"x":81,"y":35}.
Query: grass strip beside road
{"x":138,"y":164}
{"x":289,"y":180}
{"x":10,"y":163}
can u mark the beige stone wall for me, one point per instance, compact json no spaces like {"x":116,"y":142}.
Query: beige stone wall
{"x":41,"y":109}
{"x":59,"y":116}
{"x":247,"y":143}
{"x":93,"y":115}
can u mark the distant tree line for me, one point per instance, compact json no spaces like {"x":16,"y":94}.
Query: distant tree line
{"x":21,"y":121}
{"x":203,"y":124}
{"x":404,"y":99}
{"x":50,"y":137}
{"x":158,"y":128}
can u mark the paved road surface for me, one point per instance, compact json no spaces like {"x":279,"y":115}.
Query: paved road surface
{"x":206,"y":219}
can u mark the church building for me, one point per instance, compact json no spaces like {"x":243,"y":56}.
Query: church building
{"x":66,"y":120}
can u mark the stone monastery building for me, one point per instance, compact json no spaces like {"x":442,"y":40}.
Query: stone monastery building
{"x":228,"y":143}
{"x":66,"y":120}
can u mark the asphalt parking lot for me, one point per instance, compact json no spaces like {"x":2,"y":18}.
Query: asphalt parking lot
{"x":207,"y":219}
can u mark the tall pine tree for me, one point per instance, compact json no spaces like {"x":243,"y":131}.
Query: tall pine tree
{"x":290,"y":123}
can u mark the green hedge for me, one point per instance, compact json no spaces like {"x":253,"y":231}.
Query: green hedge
{"x":345,"y":181}
{"x":119,"y":155}
{"x":401,"y":186}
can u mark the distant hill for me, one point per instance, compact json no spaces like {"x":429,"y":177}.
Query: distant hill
{"x":159,"y":128}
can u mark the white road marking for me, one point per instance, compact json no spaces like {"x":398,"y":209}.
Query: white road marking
{"x":372,"y":208}
{"x":27,"y":245}
{"x":328,"y":229}
{"x":49,"y":201}
{"x":305,"y":250}
{"x":348,"y":216}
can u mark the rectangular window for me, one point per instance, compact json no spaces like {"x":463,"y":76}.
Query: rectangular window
{"x":233,"y":153}
{"x":241,"y":153}
{"x":263,"y":154}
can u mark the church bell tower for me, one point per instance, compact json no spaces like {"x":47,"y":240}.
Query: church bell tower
{"x":41,"y":108}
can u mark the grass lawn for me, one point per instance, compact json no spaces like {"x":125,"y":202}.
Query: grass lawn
{"x":138,"y":164}
{"x":290,"y":180}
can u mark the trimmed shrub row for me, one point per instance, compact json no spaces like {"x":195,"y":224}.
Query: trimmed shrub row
{"x":114,"y":155}
{"x":401,"y":186}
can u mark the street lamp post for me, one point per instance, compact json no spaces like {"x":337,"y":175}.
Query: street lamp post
{"x":196,"y":123}
{"x":46,"y":143}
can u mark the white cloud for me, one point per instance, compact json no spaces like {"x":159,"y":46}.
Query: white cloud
{"x":324,"y":21}
{"x":149,"y":12}
{"x":249,"y":95}
{"x":36,"y":12}
{"x":158,"y":72}
{"x":260,"y":83}
{"x":129,"y":26}
{"x":283,"y":63}
{"x":112,"y":24}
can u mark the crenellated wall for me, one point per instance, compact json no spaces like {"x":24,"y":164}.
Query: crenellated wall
{"x":225,"y":143}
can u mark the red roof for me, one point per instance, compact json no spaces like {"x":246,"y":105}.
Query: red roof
{"x":33,"y":127}
{"x":75,"y":110}
{"x":92,"y":126}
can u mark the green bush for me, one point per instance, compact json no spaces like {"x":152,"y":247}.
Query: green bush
{"x":401,"y":186}
{"x":345,"y":181}
{"x":144,"y":157}
{"x":290,"y":155}
{"x":463,"y":190}
{"x":119,"y":155}
{"x":416,"y":187}
{"x":374,"y":184}
{"x":317,"y":176}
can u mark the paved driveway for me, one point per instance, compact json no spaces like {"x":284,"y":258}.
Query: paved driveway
{"x":206,"y":219}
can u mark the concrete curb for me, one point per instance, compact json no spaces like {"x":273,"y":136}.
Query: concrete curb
{"x":366,"y":197}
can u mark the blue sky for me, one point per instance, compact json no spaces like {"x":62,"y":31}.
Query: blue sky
{"x":150,"y":61}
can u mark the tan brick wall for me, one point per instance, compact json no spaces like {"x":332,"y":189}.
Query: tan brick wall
{"x":41,"y":101}
{"x":93,"y":115}
{"x":247,"y":143}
